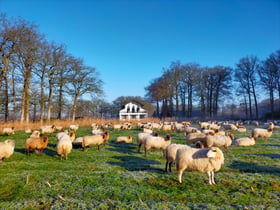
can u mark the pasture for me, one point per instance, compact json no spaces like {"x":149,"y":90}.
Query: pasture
{"x":119,"y":177}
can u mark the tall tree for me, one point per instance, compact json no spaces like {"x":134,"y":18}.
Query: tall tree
{"x":246,"y":75}
{"x":82,"y":80}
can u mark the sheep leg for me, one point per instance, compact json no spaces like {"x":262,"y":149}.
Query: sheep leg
{"x":170,"y":164}
{"x":180,"y":173}
{"x":98,"y":146}
{"x":139,"y":147}
{"x":166,"y":165}
{"x":211,"y":177}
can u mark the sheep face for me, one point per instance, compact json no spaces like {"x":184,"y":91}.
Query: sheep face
{"x":212,"y":152}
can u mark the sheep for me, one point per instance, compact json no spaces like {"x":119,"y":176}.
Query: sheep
{"x":264,"y":133}
{"x":35,"y":134}
{"x":125,"y":139}
{"x":62,"y":134}
{"x":241,"y":129}
{"x":156,"y":142}
{"x":166,"y":128}
{"x":245,"y":141}
{"x":95,"y":140}
{"x":141,"y":138}
{"x":58,"y":128}
{"x":194,"y":137}
{"x":64,"y":145}
{"x":28,"y":130}
{"x":74,"y":127}
{"x":219,"y":140}
{"x":204,"y":125}
{"x":8,"y":131}
{"x":78,"y":142}
{"x":170,"y":154}
{"x":6,"y":149}
{"x":117,"y":126}
{"x":189,"y":130}
{"x":207,"y":160}
{"x":147,"y":130}
{"x":230,"y":127}
{"x":47,"y":129}
{"x":36,"y":144}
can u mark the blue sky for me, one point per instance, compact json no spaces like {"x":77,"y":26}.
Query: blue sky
{"x":129,"y":42}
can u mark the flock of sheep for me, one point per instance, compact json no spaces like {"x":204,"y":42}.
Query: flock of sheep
{"x":200,"y":153}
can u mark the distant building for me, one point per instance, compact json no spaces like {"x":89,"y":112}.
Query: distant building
{"x":132,"y":111}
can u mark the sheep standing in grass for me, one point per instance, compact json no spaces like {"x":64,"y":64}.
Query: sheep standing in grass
{"x":125,"y":139}
{"x":170,"y":154}
{"x":36,"y":144}
{"x":6,"y":149}
{"x":245,"y":141}
{"x":263,"y":133}
{"x":74,"y":127}
{"x":35,"y":134}
{"x":141,"y":137}
{"x":194,"y":137}
{"x":156,"y":142}
{"x":219,"y":140}
{"x":9,"y":131}
{"x":47,"y":129}
{"x":207,"y":160}
{"x":64,"y":145}
{"x":95,"y":140}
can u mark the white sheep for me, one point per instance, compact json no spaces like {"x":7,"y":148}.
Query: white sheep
{"x":74,"y":127}
{"x":47,"y":129}
{"x":194,"y":137}
{"x":6,"y":149}
{"x":8,"y":131}
{"x":207,"y":160}
{"x":147,"y":130}
{"x":245,"y":141}
{"x":219,"y":140}
{"x":125,"y":139}
{"x":64,"y":145}
{"x":141,"y":138}
{"x":263,"y":133}
{"x":156,"y":142}
{"x":35,"y":134}
{"x":170,"y":154}
{"x":95,"y":140}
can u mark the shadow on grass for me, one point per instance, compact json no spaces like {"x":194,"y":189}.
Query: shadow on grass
{"x":123,"y":148}
{"x":254,"y":168}
{"x":273,"y":156}
{"x":271,"y":145}
{"x":133,"y":163}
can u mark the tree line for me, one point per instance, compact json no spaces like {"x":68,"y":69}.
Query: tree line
{"x":182,"y":86}
{"x":39,"y":76}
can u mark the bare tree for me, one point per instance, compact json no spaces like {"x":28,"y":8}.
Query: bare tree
{"x":246,"y":75}
{"x":82,"y":80}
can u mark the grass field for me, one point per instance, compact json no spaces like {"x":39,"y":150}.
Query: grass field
{"x":118,"y":177}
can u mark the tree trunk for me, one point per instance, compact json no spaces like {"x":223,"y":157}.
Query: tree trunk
{"x":50,"y":101}
{"x":74,"y":108}
{"x":6,"y":93}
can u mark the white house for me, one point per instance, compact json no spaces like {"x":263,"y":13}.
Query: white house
{"x":133,"y":111}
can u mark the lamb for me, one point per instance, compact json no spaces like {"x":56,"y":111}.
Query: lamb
{"x":141,"y":137}
{"x":245,"y":141}
{"x":170,"y":154}
{"x":6,"y":149}
{"x":264,"y":133}
{"x":47,"y":129}
{"x":207,"y":160}
{"x":95,"y":140}
{"x":8,"y":131}
{"x":64,"y":145}
{"x":125,"y":139}
{"x":36,"y":144}
{"x":156,"y":142}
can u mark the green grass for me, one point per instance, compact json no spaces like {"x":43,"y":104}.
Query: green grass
{"x":118,"y":177}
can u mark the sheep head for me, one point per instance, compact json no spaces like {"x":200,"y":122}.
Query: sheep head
{"x":215,"y":152}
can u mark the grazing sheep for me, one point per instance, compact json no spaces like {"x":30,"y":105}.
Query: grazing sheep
{"x":35,"y":134}
{"x":204,"y":125}
{"x":263,"y":133}
{"x":28,"y":130}
{"x":58,"y":128}
{"x":141,"y":137}
{"x":74,"y":127}
{"x":170,"y":154}
{"x":207,"y":160}
{"x":6,"y":149}
{"x":117,"y":126}
{"x":245,"y":141}
{"x":219,"y":140}
{"x":166,"y":128}
{"x":8,"y":131}
{"x":36,"y":144}
{"x":241,"y":129}
{"x":147,"y":130}
{"x":78,"y":142}
{"x":125,"y":139}
{"x":64,"y":145}
{"x":47,"y":129}
{"x":156,"y":142}
{"x":194,"y":137}
{"x":95,"y":140}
